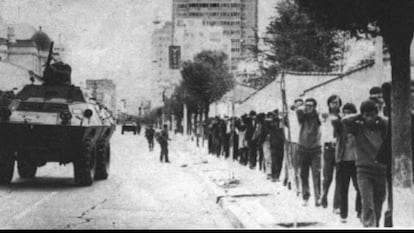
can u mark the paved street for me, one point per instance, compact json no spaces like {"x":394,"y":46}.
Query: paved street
{"x":141,"y":193}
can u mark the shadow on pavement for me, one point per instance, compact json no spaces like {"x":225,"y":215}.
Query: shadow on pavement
{"x":298,"y":224}
{"x":42,"y":184}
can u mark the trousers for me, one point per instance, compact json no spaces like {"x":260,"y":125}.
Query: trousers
{"x":277,"y":154}
{"x":328,"y":171}
{"x":310,"y":160}
{"x":164,"y":152}
{"x":373,"y":192}
{"x":346,"y":173}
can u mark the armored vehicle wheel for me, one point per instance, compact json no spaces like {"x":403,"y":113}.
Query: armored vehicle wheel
{"x":84,"y":167}
{"x":6,"y":166}
{"x":102,"y":163}
{"x":26,"y":169}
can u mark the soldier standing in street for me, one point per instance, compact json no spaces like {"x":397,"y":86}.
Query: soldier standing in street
{"x":163,"y":140}
{"x":149,"y":134}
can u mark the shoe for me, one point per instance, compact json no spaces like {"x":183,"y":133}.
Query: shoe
{"x":275,"y":180}
{"x":305,"y":203}
{"x":343,"y":220}
{"x":168,"y":162}
{"x":359,"y":215}
{"x":337,"y":211}
{"x":317,"y":204}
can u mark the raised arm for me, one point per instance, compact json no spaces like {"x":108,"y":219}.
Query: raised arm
{"x":351,"y":123}
{"x":300,"y":113}
{"x":337,"y":125}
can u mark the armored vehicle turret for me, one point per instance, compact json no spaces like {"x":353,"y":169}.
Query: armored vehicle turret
{"x":55,"y":122}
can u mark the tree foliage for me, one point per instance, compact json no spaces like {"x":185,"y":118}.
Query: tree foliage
{"x":299,"y":43}
{"x":207,"y":78}
{"x":360,"y":16}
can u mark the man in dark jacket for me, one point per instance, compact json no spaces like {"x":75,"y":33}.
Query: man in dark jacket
{"x":138,"y":128}
{"x":223,"y":137}
{"x":216,"y":136}
{"x":163,"y":140}
{"x":370,"y":131}
{"x":258,"y":138}
{"x":345,"y":156}
{"x":277,"y":141}
{"x":251,"y":126}
{"x":226,"y":136}
{"x":242,"y":147}
{"x":149,"y":134}
{"x":310,"y":149}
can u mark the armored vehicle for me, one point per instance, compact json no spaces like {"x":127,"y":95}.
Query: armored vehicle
{"x":55,"y":122}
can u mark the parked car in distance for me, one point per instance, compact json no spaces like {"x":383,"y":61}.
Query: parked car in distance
{"x":129,"y":126}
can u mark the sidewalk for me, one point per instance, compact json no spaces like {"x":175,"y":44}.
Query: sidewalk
{"x":254,"y":202}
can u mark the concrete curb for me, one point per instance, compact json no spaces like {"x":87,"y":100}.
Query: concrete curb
{"x":242,"y":214}
{"x":249,"y":215}
{"x":238,"y":216}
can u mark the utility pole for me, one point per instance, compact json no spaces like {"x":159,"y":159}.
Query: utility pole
{"x":289,"y":161}
{"x":185,"y":126}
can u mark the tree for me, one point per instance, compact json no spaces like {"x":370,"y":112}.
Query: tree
{"x":299,"y":43}
{"x":394,"y":20}
{"x":206,"y":80}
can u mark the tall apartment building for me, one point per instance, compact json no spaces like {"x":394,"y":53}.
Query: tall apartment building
{"x":104,"y":91}
{"x":194,"y":37}
{"x":239,"y":19}
{"x":161,"y":40}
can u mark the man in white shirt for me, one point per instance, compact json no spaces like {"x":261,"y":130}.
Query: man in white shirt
{"x":329,"y":146}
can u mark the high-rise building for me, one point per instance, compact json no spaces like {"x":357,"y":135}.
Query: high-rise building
{"x":194,"y":37}
{"x":161,"y":40}
{"x":104,"y":91}
{"x":239,"y":19}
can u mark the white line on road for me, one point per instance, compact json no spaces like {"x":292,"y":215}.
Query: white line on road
{"x":32,"y":207}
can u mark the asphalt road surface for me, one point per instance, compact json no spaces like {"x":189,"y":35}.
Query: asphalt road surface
{"x":141,"y":193}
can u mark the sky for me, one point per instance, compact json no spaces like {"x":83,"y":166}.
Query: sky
{"x":105,"y":38}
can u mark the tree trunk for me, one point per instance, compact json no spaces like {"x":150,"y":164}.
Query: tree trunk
{"x":399,"y":38}
{"x":207,"y":111}
{"x":189,"y":125}
{"x":195,"y":126}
